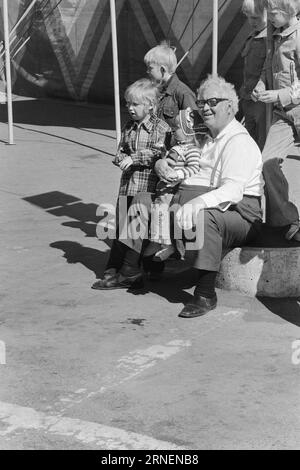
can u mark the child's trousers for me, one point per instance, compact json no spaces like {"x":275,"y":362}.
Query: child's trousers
{"x":280,"y":211}
{"x":118,"y":249}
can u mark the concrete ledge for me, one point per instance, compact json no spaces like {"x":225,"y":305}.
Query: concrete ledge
{"x":266,"y":272}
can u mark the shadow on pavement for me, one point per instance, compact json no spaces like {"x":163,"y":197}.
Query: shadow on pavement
{"x":287,"y":309}
{"x":74,"y":252}
{"x":176,"y":278}
{"x":84,"y":217}
{"x":61,"y":113}
{"x":65,"y":205}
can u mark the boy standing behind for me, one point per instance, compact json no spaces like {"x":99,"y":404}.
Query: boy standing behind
{"x":254,"y":54}
{"x":161,"y":65}
{"x":142,"y":142}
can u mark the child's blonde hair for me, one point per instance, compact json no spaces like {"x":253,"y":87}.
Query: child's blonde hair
{"x":163,"y":55}
{"x":253,"y":7}
{"x":142,"y":91}
{"x":290,"y":7}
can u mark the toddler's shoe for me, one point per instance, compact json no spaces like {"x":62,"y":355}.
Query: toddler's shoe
{"x":109,"y":274}
{"x":293,"y":232}
{"x":164,"y":253}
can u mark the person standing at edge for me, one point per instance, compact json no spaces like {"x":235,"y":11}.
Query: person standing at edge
{"x":254,"y":54}
{"x":280,"y":211}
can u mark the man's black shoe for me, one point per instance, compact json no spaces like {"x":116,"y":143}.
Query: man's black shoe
{"x":198,"y":307}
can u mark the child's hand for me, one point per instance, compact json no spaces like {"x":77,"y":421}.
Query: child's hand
{"x":118,"y":158}
{"x":160,"y":148}
{"x":162,"y":170}
{"x":126,"y":163}
{"x":255,"y":95}
{"x":171,"y":175}
{"x":269,"y":96}
{"x":295,"y":93}
{"x":260,"y":87}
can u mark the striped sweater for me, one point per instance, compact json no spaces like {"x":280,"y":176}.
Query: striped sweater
{"x":186,"y":158}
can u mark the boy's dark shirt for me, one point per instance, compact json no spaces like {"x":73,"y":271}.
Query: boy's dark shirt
{"x":175,"y":95}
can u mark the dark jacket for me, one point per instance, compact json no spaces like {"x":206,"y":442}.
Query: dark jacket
{"x":175,"y":95}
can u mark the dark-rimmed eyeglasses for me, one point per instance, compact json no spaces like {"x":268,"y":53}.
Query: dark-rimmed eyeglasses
{"x":212,"y":102}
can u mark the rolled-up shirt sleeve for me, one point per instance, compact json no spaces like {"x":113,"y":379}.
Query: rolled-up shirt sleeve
{"x":240,"y":169}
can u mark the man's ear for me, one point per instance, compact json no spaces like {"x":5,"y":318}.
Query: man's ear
{"x":230,"y":105}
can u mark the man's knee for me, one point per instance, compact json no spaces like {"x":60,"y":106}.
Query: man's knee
{"x":212,"y":219}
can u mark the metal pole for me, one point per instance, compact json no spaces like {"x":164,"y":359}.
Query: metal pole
{"x":215,"y":38}
{"x":115,"y":68}
{"x":270,"y":50}
{"x":8,"y":74}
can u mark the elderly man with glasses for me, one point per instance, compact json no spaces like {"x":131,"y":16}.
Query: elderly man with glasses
{"x":222,"y":202}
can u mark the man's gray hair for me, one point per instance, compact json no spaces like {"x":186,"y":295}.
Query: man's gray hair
{"x":225,"y":90}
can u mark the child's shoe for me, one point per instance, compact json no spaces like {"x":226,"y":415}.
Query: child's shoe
{"x":164,"y":253}
{"x":108,"y":275}
{"x":151,"y":249}
{"x":293,"y":232}
{"x":296,"y":237}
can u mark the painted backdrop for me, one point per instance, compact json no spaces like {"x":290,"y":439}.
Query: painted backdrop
{"x":68,"y":52}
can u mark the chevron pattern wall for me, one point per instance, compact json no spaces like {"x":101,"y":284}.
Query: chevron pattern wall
{"x":69,"y":50}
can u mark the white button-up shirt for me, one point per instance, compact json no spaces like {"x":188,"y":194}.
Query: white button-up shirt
{"x":231,"y":164}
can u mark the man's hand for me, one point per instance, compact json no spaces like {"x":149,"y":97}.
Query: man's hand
{"x":126,"y":163}
{"x":295,"y":92}
{"x":172,"y":174}
{"x":268,"y":96}
{"x":187,"y":216}
{"x":119,"y":157}
{"x":162,"y":170}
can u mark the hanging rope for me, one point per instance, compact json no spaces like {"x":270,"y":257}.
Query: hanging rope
{"x":54,"y":8}
{"x":24,"y":31}
{"x":199,"y":36}
{"x":188,"y":21}
{"x":28,"y":20}
{"x":41,"y":8}
{"x":174,"y":12}
{"x":27,"y":32}
{"x":22,"y":41}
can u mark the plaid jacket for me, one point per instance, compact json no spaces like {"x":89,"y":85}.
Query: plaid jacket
{"x":144,"y":143}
